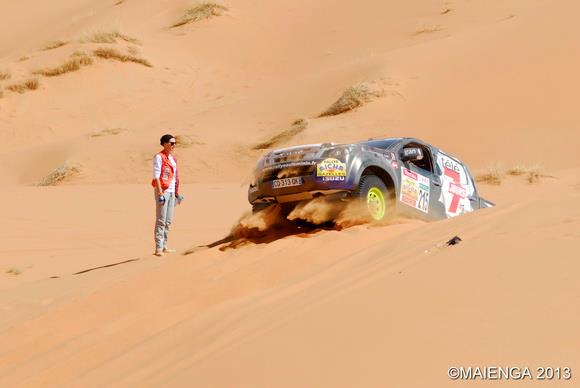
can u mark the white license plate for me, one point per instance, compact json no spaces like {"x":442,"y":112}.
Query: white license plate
{"x":287,"y":182}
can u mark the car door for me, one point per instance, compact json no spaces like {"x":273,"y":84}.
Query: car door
{"x":420,"y":187}
{"x":458,"y":193}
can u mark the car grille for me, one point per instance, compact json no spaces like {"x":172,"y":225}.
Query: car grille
{"x":287,"y":172}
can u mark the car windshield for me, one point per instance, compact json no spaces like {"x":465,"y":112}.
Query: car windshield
{"x":382,"y":144}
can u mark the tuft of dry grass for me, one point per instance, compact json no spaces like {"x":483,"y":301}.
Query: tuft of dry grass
{"x":24,"y":86}
{"x":59,"y":175}
{"x":352,"y":98}
{"x":4,"y":75}
{"x":534,"y":176}
{"x":107,"y":37}
{"x":54,"y":45}
{"x":495,"y":175}
{"x":109,"y":132}
{"x":13,"y":271}
{"x":445,"y":11}
{"x":23,"y":58}
{"x":296,"y":127}
{"x":201,"y":12}
{"x":77,"y":60}
{"x":118,"y":2}
{"x":186,"y":141}
{"x":427,"y":30}
{"x":111,"y":53}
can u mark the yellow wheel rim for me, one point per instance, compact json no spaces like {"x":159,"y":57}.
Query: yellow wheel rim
{"x":376,"y":203}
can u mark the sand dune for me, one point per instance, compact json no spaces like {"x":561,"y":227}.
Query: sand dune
{"x":389,"y":305}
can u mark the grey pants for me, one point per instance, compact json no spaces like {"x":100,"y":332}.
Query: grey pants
{"x":163,"y":218}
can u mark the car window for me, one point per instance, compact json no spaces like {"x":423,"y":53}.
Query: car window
{"x":382,"y":144}
{"x":425,"y":164}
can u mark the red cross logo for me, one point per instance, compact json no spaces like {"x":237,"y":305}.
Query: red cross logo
{"x":459,"y":192}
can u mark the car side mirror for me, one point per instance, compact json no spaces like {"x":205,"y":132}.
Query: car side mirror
{"x":411,"y":153}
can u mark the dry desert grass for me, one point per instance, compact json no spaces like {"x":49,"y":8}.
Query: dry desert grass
{"x":54,"y":45}
{"x":116,"y":55}
{"x":186,"y":141}
{"x":107,"y":37}
{"x":4,"y":75}
{"x":427,"y":30}
{"x":59,"y":175}
{"x":296,"y":127}
{"x":493,"y":176}
{"x":109,"y":132}
{"x":24,"y":86}
{"x":76,"y":61}
{"x":496,"y":174}
{"x":531,"y":174}
{"x":13,"y":271}
{"x":352,"y":98}
{"x":201,"y":12}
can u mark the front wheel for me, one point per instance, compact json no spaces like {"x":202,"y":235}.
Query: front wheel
{"x":258,"y":207}
{"x":373,"y":191}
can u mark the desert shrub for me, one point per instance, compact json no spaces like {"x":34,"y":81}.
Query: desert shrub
{"x":495,"y":175}
{"x":109,"y":132}
{"x":59,"y":175}
{"x":4,"y":75}
{"x":186,"y":141}
{"x":113,"y":54}
{"x":107,"y":37}
{"x":427,"y":30}
{"x":24,"y":86}
{"x":201,"y":12}
{"x":352,"y":98}
{"x":74,"y":63}
{"x":13,"y":271}
{"x":54,"y":44}
{"x":296,"y":127}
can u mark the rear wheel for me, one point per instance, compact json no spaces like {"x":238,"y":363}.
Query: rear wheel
{"x":374,"y":193}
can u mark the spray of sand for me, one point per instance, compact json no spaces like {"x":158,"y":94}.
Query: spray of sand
{"x":306,"y":218}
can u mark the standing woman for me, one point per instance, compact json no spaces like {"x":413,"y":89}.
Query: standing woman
{"x":166,"y":184}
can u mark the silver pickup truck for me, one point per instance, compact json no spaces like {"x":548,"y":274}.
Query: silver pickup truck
{"x":404,"y":176}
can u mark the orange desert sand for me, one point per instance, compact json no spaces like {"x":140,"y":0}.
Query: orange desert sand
{"x":496,"y":83}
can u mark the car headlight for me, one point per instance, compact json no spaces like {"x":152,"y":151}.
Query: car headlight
{"x":337,"y":153}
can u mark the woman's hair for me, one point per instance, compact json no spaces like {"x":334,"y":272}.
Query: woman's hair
{"x":165,"y":139}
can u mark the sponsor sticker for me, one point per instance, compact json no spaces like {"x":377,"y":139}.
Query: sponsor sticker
{"x":292,"y":164}
{"x":331,"y":167}
{"x":333,"y":178}
{"x":455,"y":187}
{"x":415,"y":190}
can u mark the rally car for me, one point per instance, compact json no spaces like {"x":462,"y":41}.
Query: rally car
{"x":403,"y":176}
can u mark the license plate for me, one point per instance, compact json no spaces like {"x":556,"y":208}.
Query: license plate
{"x":287,"y":182}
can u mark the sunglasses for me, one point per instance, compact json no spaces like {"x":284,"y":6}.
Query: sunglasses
{"x":172,"y":143}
